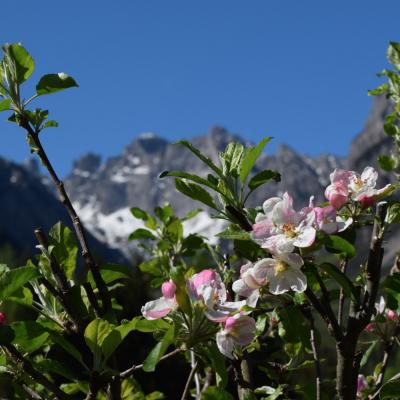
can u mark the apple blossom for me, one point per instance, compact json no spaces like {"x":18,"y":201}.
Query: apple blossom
{"x":164,"y":305}
{"x":347,"y":185}
{"x":283,"y":272}
{"x":361,"y":383}
{"x":238,"y":330}
{"x":282,"y":228}
{"x":207,"y":286}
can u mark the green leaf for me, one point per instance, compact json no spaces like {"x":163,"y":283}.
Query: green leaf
{"x":191,"y":214}
{"x":11,"y":281}
{"x":393,"y":214}
{"x":50,"y":124}
{"x":151,"y":267}
{"x":263,"y":177}
{"x":343,"y":281}
{"x":65,"y":248}
{"x":149,"y":364}
{"x":381,"y":89}
{"x":195,"y":192}
{"x":390,"y":390}
{"x":216,"y":393}
{"x":393,"y":54}
{"x":249,"y":250}
{"x":140,"y":234}
{"x":29,"y":335}
{"x":234,"y":234}
{"x":5,"y":104}
{"x":67,"y":346}
{"x":116,"y":336}
{"x":150,"y":221}
{"x":95,"y":333}
{"x":336,"y":244}
{"x":391,"y":129}
{"x":52,"y":83}
{"x":250,"y":157}
{"x":387,"y":163}
{"x":218,"y":365}
{"x":145,"y":325}
{"x":56,"y":367}
{"x":23,"y":61}
{"x":201,"y":156}
{"x":193,"y":178}
{"x":174,"y":230}
{"x":367,"y":353}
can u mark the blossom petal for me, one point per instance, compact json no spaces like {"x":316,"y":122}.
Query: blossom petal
{"x":225,"y":344}
{"x":306,"y":238}
{"x":296,"y":280}
{"x":158,"y":308}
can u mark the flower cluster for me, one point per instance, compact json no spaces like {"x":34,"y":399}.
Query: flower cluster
{"x":283,"y":232}
{"x":349,"y":185}
{"x":207,"y":289}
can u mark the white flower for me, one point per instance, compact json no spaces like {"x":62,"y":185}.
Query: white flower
{"x":282,"y":228}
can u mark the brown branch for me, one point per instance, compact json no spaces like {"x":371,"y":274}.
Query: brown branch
{"x":27,"y":367}
{"x":92,"y":298}
{"x":189,"y":381}
{"x":79,"y":229}
{"x":343,"y":268}
{"x":134,"y":368}
{"x":317,"y":362}
{"x":326,"y":313}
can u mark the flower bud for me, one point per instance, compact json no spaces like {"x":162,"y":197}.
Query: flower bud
{"x":168,"y":289}
{"x":337,"y":194}
{"x":3,"y":317}
{"x":392,"y":315}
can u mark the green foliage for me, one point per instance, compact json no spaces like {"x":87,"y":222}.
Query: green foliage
{"x":159,"y":350}
{"x":52,"y":83}
{"x":15,"y":279}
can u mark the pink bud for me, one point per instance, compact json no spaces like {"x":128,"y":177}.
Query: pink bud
{"x":337,"y":194}
{"x":370,"y":327}
{"x":361,"y":383}
{"x":366,"y":201}
{"x":3,"y":317}
{"x":204,"y":277}
{"x":168,"y":289}
{"x":392,"y":315}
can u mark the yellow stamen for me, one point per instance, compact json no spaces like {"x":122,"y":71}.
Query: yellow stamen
{"x":288,"y":230}
{"x":281,"y":267}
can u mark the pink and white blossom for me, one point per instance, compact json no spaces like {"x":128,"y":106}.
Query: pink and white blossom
{"x":283,"y":272}
{"x":361,"y":384}
{"x":349,"y":185}
{"x":281,"y":229}
{"x":238,"y":330}
{"x":207,"y":286}
{"x":161,"y":307}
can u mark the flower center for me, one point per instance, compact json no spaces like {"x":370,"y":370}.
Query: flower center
{"x":288,"y":230}
{"x":281,"y":267}
{"x":358,"y":183}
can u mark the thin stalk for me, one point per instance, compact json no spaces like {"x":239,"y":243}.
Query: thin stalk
{"x":189,"y":381}
{"x":78,"y":226}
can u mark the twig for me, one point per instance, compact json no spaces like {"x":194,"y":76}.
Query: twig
{"x":79,"y":229}
{"x":94,"y":386}
{"x":26,"y":365}
{"x":325,"y":311}
{"x":189,"y":381}
{"x":317,"y":363}
{"x":134,"y":368}
{"x":92,"y":298}
{"x":196,"y":375}
{"x":343,"y":268}
{"x":30,"y":392}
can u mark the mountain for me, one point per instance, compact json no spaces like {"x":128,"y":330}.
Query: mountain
{"x":26,"y":203}
{"x":104,"y":191}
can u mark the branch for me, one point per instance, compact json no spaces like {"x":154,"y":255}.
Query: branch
{"x":79,"y":229}
{"x":343,"y":268}
{"x":326,"y":313}
{"x":27,"y":367}
{"x":134,"y":368}
{"x":189,"y":381}
{"x":318,"y":379}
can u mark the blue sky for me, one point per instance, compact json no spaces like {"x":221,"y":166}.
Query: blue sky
{"x":296,"y":70}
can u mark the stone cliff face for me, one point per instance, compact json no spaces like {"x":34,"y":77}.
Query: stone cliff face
{"x":103,"y":192}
